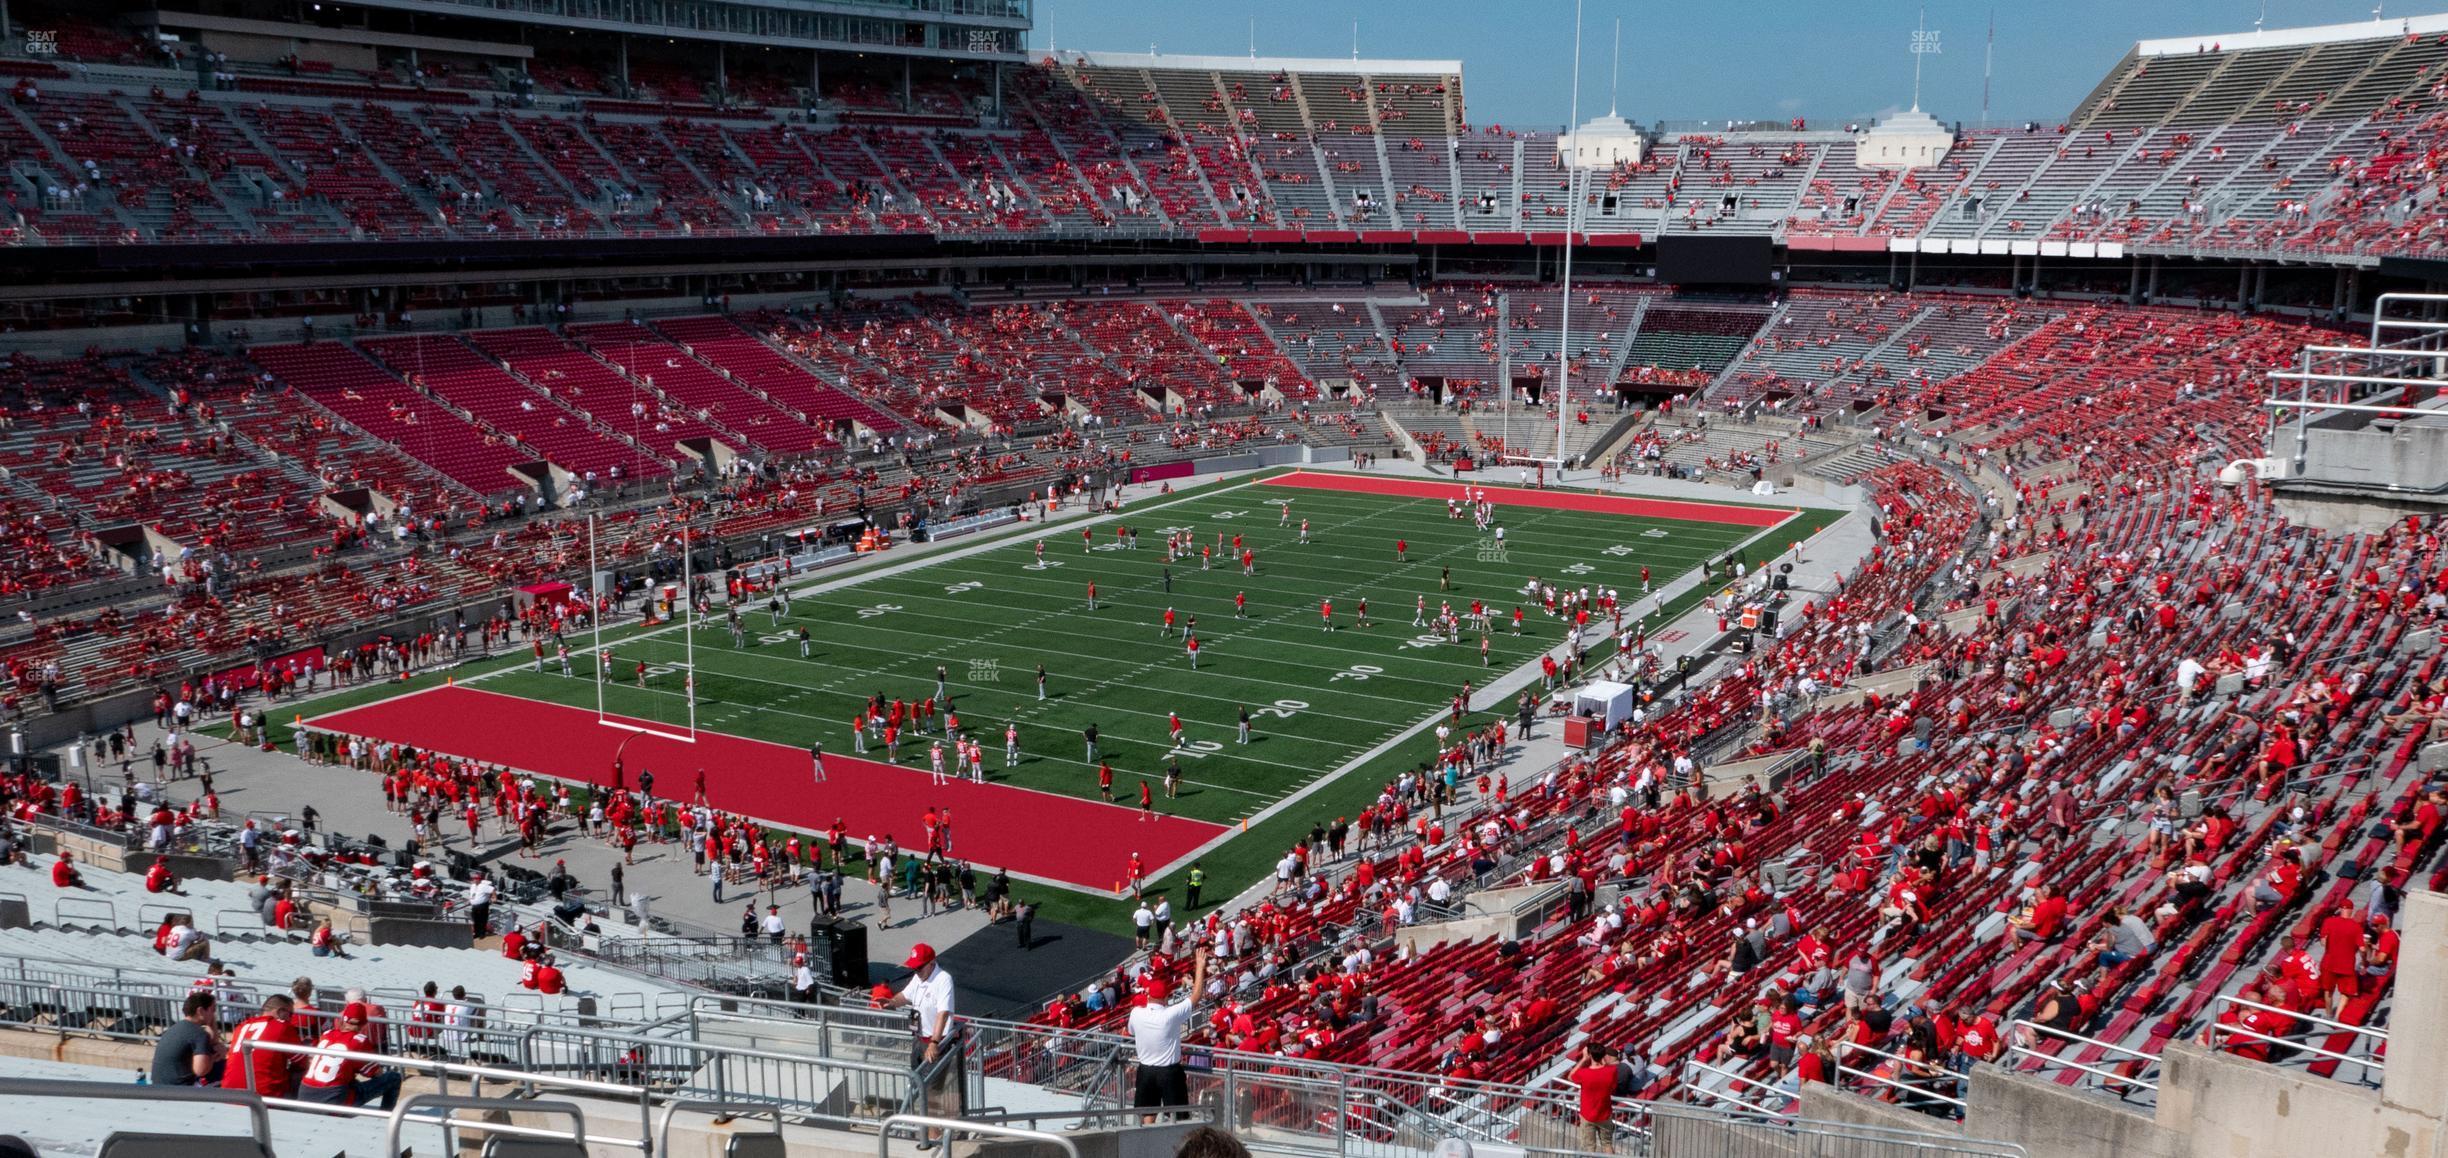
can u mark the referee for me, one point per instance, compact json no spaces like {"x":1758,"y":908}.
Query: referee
{"x":1156,"y":1033}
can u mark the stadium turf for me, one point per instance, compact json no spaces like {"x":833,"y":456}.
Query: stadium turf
{"x":989,"y":614}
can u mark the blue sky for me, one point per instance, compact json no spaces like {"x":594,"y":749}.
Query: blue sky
{"x":1827,"y":60}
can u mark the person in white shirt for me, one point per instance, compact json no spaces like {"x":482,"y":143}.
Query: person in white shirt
{"x":1156,"y":1027}
{"x":2189,"y":672}
{"x":480,"y":906}
{"x":929,"y":995}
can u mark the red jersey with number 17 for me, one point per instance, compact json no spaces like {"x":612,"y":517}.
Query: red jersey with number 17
{"x":273,"y":1070}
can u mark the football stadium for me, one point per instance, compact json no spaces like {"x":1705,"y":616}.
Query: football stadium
{"x":839,"y":577}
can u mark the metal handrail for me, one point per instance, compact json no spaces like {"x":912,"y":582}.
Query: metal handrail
{"x":476,"y":1075}
{"x":2035,"y":1029}
{"x":2379,"y":1037}
{"x":1733,"y":1078}
{"x":1900,"y":1086}
{"x":663,"y":1129}
{"x":923,"y":1122}
{"x":398,"y":1116}
{"x":258,"y":1112}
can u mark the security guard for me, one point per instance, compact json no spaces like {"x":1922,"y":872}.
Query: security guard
{"x":1198,"y":877}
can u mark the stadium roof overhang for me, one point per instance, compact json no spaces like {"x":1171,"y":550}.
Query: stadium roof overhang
{"x":2382,"y":29}
{"x":1328,"y":64}
{"x":816,"y":25}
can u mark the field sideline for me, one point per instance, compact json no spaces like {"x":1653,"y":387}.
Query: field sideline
{"x":987,"y":615}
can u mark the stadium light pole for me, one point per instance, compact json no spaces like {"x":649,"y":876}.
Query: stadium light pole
{"x":1572,"y":217}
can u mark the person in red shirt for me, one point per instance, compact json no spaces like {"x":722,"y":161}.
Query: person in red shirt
{"x":2278,"y":758}
{"x":1976,"y":1033}
{"x":340,"y":1080}
{"x":64,"y":873}
{"x":1784,"y":1028}
{"x":2380,"y":951}
{"x":2046,"y":919}
{"x":158,"y":879}
{"x":273,"y":1073}
{"x":2341,"y":934}
{"x":2418,"y":829}
{"x":2278,"y":885}
{"x":1817,"y":1063}
{"x":1593,"y":1072}
{"x":548,"y":977}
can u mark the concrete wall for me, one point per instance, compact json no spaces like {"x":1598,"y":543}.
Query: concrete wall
{"x":1825,"y":1103}
{"x":2418,"y":1012}
{"x":2412,"y":457}
{"x":2214,"y":1105}
{"x":2052,"y":1121}
{"x":2226,"y":1107}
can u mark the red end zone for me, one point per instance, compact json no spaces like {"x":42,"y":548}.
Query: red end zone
{"x":1553,"y":500}
{"x":1060,"y":839}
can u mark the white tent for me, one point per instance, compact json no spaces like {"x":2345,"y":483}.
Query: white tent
{"x":1606,"y":701}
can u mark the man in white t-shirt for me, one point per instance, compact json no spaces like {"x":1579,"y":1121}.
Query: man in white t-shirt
{"x":929,"y":995}
{"x":2189,"y":672}
{"x":1156,"y":1027}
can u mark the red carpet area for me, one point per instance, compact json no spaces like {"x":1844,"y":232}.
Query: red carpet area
{"x":1057,"y":839}
{"x":1552,"y":500}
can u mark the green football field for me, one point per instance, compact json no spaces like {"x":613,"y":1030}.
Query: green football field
{"x":990,"y":614}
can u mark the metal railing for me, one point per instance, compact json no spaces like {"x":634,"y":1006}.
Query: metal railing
{"x":524,"y":1085}
{"x":1755,"y":1095}
{"x":1320,"y":1108}
{"x":1915,"y":1094}
{"x":2280,"y":1048}
{"x":16,"y":1092}
{"x":950,"y":1126}
{"x":2042,"y":1061}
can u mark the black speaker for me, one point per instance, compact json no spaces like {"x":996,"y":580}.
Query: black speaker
{"x":837,"y":952}
{"x":462,"y":866}
{"x":1768,"y":620}
{"x":376,"y":840}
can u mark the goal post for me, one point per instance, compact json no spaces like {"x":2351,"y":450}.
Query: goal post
{"x":684,"y":609}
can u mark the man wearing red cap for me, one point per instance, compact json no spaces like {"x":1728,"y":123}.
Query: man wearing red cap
{"x":929,"y":995}
{"x":1156,"y":1031}
{"x":349,"y":1081}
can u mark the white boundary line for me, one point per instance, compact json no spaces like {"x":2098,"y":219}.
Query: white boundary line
{"x":789,"y":827}
{"x":1688,"y":580}
{"x":983,"y":542}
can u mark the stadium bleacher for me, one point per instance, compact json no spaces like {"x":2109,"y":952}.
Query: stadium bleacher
{"x":2075,"y":698}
